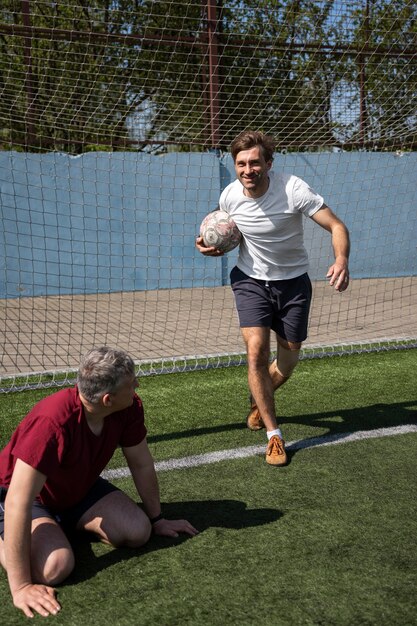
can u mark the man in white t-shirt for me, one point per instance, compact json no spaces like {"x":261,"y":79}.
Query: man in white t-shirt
{"x":270,"y":282}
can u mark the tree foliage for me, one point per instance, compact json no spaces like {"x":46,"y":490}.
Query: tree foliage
{"x":115,"y":74}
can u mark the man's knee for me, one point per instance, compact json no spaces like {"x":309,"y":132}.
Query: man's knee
{"x":55,"y":569}
{"x":117,"y":520}
{"x":257,"y":342}
{"x":287,"y":359}
{"x":258,"y":355}
{"x":129,"y":536}
{"x":52,"y":558}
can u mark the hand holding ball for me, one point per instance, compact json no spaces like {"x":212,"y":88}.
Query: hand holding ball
{"x":219,"y":230}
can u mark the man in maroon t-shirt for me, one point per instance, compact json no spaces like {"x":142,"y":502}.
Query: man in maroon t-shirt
{"x":50,"y":479}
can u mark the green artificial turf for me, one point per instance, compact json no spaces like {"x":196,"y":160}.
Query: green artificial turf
{"x":329,"y":539}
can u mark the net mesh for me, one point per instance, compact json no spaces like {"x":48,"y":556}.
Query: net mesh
{"x":115,"y":120}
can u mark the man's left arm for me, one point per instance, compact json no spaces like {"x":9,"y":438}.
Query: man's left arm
{"x":142,"y":468}
{"x":338,"y":273}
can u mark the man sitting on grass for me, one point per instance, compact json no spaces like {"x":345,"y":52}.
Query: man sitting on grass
{"x":50,"y":479}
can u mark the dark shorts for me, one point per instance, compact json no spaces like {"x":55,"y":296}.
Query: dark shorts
{"x":69,"y":518}
{"x":282,"y":305}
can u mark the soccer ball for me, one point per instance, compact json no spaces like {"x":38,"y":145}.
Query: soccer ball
{"x":219,"y":230}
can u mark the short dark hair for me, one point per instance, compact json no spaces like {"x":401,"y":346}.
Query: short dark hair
{"x":102,"y":370}
{"x":250,"y":139}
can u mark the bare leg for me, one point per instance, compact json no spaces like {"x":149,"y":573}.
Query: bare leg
{"x":257,"y":340}
{"x":117,"y":520}
{"x":279,"y":372}
{"x":288,"y":353}
{"x":52,"y":558}
{"x":276,"y":377}
{"x":262,"y":380}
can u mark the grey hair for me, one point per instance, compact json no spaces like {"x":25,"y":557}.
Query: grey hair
{"x":102,"y":370}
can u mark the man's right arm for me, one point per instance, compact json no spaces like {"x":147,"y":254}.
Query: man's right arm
{"x":25,"y":485}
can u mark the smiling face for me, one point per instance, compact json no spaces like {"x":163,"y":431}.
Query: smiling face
{"x":252,"y":171}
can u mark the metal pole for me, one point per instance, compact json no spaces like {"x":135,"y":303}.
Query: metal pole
{"x":30,"y":90}
{"x":362,"y":79}
{"x":212,"y":32}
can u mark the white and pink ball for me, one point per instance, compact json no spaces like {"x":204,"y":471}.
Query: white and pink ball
{"x":218,"y":229}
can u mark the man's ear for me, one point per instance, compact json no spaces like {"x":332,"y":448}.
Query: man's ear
{"x":107,"y":400}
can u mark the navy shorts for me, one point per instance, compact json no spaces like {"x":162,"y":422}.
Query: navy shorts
{"x":282,"y":305}
{"x":69,"y":518}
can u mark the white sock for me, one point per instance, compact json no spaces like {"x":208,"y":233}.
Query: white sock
{"x":271,"y":433}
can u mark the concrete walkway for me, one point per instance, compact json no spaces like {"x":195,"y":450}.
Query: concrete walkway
{"x":50,"y":333}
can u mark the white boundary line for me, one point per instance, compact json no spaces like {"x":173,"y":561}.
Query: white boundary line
{"x":247,"y":451}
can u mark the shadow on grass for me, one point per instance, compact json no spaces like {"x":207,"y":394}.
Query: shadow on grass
{"x":350,"y":421}
{"x":203,"y":514}
{"x":336,"y":421}
{"x":192,"y":432}
{"x":360,"y":418}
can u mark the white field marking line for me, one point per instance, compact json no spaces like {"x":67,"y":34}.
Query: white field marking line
{"x":247,"y":451}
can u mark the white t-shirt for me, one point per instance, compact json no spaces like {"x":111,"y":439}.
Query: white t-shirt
{"x":272,"y":246}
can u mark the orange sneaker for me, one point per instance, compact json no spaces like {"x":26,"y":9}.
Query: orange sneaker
{"x":254,"y":420}
{"x":275,"y":452}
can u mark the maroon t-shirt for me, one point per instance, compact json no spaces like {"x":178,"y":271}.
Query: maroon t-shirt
{"x":55,"y":439}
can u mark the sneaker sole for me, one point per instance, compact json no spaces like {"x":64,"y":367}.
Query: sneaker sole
{"x":271,"y":462}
